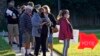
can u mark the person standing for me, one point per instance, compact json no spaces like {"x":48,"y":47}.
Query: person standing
{"x":36,"y":22}
{"x":40,"y":24}
{"x":26,"y":28}
{"x":12,"y":18}
{"x":31,"y":4}
{"x":21,"y":10}
{"x":53,"y":25}
{"x":66,"y":30}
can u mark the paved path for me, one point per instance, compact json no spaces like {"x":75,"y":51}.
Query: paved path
{"x":16,"y":49}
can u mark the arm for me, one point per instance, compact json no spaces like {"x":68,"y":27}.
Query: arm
{"x":53,"y":20}
{"x":22,"y":24}
{"x":48,"y":20}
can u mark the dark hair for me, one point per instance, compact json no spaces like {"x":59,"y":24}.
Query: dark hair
{"x":64,"y":12}
{"x":34,"y":11}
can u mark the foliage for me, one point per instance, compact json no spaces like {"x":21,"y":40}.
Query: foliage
{"x":5,"y":49}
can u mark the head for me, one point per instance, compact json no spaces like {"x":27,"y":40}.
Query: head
{"x":11,"y":3}
{"x":23,"y":7}
{"x":28,"y":10}
{"x":47,"y":8}
{"x":64,"y":13}
{"x":37,"y":7}
{"x":41,"y":10}
{"x":31,"y":4}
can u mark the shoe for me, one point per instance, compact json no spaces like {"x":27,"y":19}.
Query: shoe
{"x":18,"y":45}
{"x":47,"y":50}
{"x":14,"y":43}
{"x":26,"y":54}
{"x":10,"y":44}
{"x":30,"y":54}
{"x":33,"y":48}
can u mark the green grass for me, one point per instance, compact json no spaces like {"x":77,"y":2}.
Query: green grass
{"x":5,"y":49}
{"x":74,"y":51}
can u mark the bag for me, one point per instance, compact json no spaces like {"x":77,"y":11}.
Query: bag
{"x":54,"y":29}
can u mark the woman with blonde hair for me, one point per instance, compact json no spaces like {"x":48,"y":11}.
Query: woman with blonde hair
{"x":53,"y":25}
{"x":66,"y":30}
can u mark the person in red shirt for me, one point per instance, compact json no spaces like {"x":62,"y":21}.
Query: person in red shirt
{"x":65,"y":32}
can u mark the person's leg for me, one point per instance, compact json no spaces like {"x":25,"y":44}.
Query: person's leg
{"x":44,"y":36}
{"x":16,"y":33}
{"x":50,"y":41}
{"x":43,"y":44}
{"x":66,"y":46}
{"x":37,"y":45}
{"x":47,"y":45}
{"x":23,"y":49}
{"x":28,"y":49}
{"x":10,"y":34}
{"x":33,"y":43}
{"x":20,"y":39}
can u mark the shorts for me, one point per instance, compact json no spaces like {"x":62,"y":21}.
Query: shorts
{"x":13,"y":30}
{"x":50,"y":38}
{"x":26,"y":37}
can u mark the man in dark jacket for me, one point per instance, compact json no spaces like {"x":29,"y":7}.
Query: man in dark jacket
{"x":12,"y":18}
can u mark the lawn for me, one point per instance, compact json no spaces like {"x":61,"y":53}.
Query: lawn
{"x":5,"y":49}
{"x":74,"y":51}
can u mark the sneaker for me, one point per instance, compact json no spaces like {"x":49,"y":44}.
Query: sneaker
{"x":47,"y":50}
{"x":26,"y":54}
{"x":30,"y":54}
{"x":14,"y":43}
{"x":10,"y":44}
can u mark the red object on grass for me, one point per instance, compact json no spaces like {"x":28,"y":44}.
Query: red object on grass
{"x":87,"y":40}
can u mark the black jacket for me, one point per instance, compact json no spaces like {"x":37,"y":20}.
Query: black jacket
{"x":53,"y":20}
{"x":10,"y":20}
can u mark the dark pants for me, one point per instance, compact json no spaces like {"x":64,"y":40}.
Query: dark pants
{"x":41,"y":41}
{"x":20,"y":39}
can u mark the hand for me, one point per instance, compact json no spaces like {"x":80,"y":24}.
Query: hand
{"x":14,"y":17}
{"x":43,"y":23}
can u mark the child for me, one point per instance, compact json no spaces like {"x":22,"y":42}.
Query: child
{"x":65,"y":32}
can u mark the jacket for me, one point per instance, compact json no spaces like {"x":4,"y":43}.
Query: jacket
{"x":66,"y":31}
{"x":36,"y":28}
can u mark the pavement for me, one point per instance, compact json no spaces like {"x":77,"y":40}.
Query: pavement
{"x":18,"y":53}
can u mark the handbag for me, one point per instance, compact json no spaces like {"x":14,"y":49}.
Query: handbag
{"x":54,"y":29}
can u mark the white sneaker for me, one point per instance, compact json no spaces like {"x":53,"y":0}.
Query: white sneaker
{"x":23,"y":51}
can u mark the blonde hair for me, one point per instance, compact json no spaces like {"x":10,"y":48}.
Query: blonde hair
{"x":47,"y":8}
{"x":59,"y":15}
